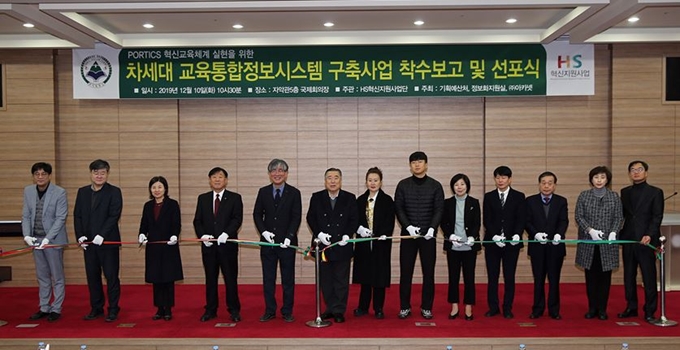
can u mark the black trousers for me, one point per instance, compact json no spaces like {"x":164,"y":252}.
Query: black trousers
{"x":542,"y":266}
{"x":495,"y":257}
{"x":598,"y":283}
{"x":635,"y":255}
{"x":334,"y":280}
{"x":465,"y":260}
{"x":164,"y":294}
{"x":408,"y":251}
{"x":215,"y":260}
{"x":378,"y":294}
{"x":285,"y":258}
{"x":107,"y":260}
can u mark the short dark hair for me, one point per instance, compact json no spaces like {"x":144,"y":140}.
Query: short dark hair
{"x":161,"y":180}
{"x":502,"y":170}
{"x":46,"y":167}
{"x":418,"y":155}
{"x":547,"y":173}
{"x":602,"y":169}
{"x":457,"y":177}
{"x":332,"y":169}
{"x":216,"y":170}
{"x":100,"y":164}
{"x":644,"y":164}
{"x":277,"y":163}
{"x":374,"y":170}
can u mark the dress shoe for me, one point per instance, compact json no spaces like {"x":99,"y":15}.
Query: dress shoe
{"x":159,"y":314}
{"x":602,"y":315}
{"x":469,"y":317}
{"x":427,"y":314}
{"x":508,"y":314}
{"x":208,"y":316}
{"x":38,"y":315}
{"x":267,"y":317}
{"x":112,"y":316}
{"x":339,"y":318}
{"x":288,"y":318}
{"x":534,"y":316}
{"x":379,"y":315}
{"x":650,"y":318}
{"x":53,"y":316}
{"x":326,"y":316}
{"x":628,"y":313}
{"x":453,"y":317}
{"x":590,"y":314}
{"x":94,"y":314}
{"x":491,"y":313}
{"x":556,"y":317}
{"x":359,"y":312}
{"x":168,"y":315}
{"x":236,"y":317}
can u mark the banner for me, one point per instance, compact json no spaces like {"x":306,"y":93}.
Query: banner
{"x":334,"y":71}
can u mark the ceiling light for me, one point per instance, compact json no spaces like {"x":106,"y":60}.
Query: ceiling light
{"x":237,"y":26}
{"x":328,"y":24}
{"x":29,"y":25}
{"x":147,"y":25}
{"x":510,"y":20}
{"x":419,"y":23}
{"x":633,"y":19}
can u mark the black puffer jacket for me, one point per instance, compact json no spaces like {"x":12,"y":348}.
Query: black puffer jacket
{"x":420,"y":203}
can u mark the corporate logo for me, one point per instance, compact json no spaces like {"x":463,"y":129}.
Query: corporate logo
{"x":95,"y":70}
{"x":570,"y":67}
{"x":567,"y":61}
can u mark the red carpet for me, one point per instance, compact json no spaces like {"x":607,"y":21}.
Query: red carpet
{"x":17,"y":303}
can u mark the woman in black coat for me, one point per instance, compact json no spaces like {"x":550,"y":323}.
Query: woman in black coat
{"x":372,"y":259}
{"x":161,"y":222}
{"x":460,"y":233}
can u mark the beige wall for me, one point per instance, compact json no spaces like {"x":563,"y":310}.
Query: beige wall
{"x":183,"y":139}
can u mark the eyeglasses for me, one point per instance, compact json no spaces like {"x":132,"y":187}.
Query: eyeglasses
{"x":37,"y":174}
{"x":637,"y":170}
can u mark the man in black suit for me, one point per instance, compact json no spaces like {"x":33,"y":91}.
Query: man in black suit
{"x":219,"y":213}
{"x":504,"y":217}
{"x":547,"y":220}
{"x":95,"y":217}
{"x":277,"y":215}
{"x":332,"y":217}
{"x":643,"y":206}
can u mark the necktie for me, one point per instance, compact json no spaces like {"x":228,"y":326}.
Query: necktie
{"x":502,"y":199}
{"x":217,"y":204}
{"x":277,"y":196}
{"x":546,"y":200}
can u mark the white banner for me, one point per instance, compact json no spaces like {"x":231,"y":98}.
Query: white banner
{"x":570,"y":69}
{"x":95,"y":73}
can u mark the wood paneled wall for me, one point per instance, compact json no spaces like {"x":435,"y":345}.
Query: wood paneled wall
{"x":183,"y":139}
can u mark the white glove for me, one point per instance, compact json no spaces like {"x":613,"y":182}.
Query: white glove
{"x":268,"y":236}
{"x":541,"y":237}
{"x":382,"y":238}
{"x":44,"y":242}
{"x":286,"y":243}
{"x":325,"y":238}
{"x":430,"y":234}
{"x":222,"y":239}
{"x":344,"y":241}
{"x":81,"y":240}
{"x":30,"y":241}
{"x":515,"y":240}
{"x":557,"y":239}
{"x":206,"y":240}
{"x":596,"y":235}
{"x":470,"y":241}
{"x":455,"y":241}
{"x":172,"y":241}
{"x":499,"y":240}
{"x":142,"y":239}
{"x":364,"y":232}
{"x":612,"y":237}
{"x":413,"y":231}
{"x":98,"y":240}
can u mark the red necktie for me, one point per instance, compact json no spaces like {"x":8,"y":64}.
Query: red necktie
{"x":217,"y":204}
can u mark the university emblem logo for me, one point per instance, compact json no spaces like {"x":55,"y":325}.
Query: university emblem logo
{"x":95,"y":70}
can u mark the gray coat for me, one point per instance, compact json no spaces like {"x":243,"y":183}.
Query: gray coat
{"x":55,"y":211}
{"x":604,"y":214}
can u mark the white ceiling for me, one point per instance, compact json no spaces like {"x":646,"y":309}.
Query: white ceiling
{"x":79,"y":24}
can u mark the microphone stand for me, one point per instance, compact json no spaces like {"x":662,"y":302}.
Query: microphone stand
{"x":663,"y":321}
{"x":318,"y":322}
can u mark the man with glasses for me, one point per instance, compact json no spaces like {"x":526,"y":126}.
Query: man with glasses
{"x":44,"y":226}
{"x":643,"y":211}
